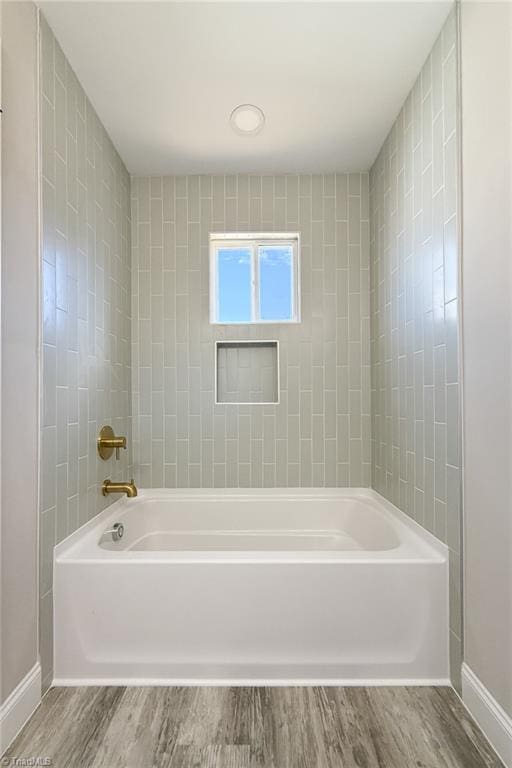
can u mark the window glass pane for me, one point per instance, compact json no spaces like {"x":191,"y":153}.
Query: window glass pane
{"x":234,"y":284}
{"x":276,"y":282}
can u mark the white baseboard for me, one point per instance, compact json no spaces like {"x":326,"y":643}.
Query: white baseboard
{"x":19,"y":706}
{"x":490,"y":716}
{"x":236,"y":682}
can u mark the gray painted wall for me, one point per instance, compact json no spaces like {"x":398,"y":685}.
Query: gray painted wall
{"x":487,"y":292}
{"x":319,"y":433}
{"x":20,"y":306}
{"x":86,"y":331}
{"x":415,"y":313}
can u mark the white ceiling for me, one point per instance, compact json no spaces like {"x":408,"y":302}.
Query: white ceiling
{"x":164,"y":77}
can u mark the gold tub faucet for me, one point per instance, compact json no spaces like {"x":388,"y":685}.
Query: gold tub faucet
{"x":129,"y":488}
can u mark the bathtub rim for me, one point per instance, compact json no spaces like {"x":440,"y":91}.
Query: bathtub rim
{"x":433,"y":549}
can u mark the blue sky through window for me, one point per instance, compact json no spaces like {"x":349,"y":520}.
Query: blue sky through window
{"x":272,"y":264}
{"x":276,"y":281}
{"x":234,"y":284}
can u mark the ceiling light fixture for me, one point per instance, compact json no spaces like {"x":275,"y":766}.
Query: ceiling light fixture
{"x":247,"y":119}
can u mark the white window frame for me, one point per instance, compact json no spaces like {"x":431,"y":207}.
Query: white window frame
{"x":255,"y":240}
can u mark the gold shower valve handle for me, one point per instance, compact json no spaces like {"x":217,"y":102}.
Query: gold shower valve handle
{"x":107,"y":442}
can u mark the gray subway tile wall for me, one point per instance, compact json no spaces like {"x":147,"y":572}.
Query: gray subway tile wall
{"x":319,"y":433}
{"x":86,"y":323}
{"x":416,"y":440}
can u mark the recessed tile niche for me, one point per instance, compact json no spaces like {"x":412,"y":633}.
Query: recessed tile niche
{"x":247,"y":372}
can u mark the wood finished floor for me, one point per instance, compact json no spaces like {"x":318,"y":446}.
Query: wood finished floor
{"x":254,"y":728}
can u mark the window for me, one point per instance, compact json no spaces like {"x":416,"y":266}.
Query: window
{"x":254,"y":278}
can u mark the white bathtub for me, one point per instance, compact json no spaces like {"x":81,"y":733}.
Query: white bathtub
{"x":251,"y":587}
